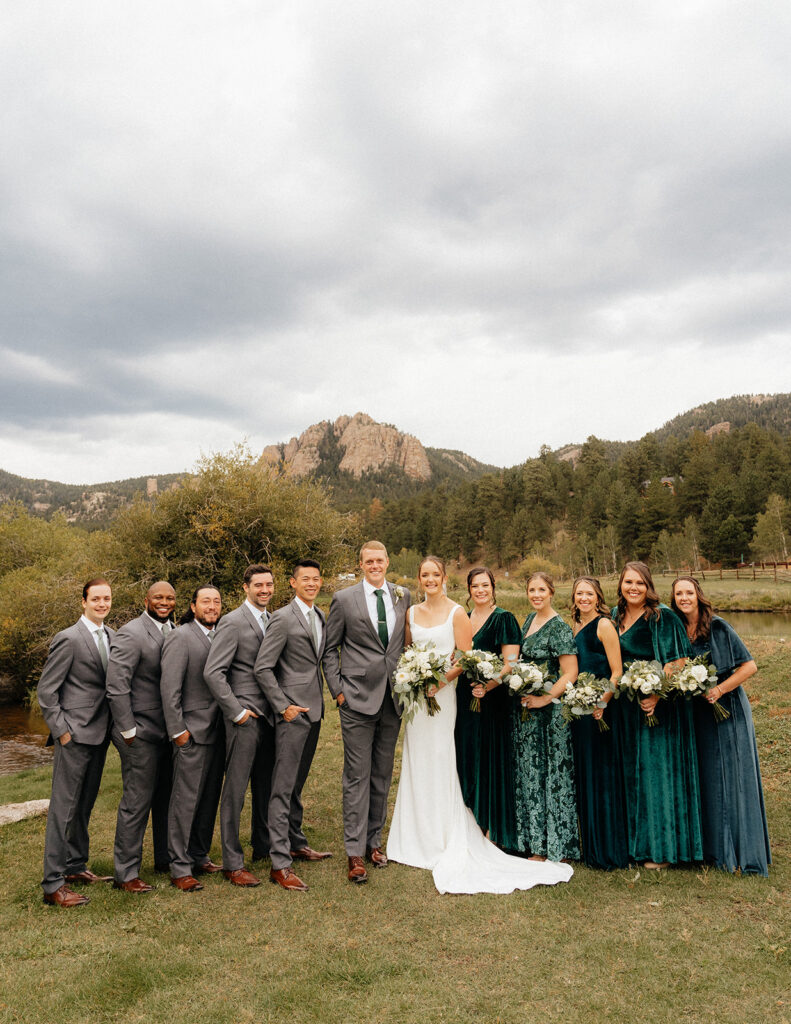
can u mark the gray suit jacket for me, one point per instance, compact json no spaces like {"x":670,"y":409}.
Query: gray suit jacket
{"x":186,"y":699}
{"x":71,"y":689}
{"x":133,"y":679}
{"x":355,"y":662}
{"x":229,"y":671}
{"x":288,"y":667}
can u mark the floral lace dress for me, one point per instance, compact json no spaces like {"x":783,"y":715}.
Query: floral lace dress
{"x":543,"y":760}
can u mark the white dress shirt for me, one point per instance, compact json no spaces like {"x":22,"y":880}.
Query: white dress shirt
{"x":306,"y":609}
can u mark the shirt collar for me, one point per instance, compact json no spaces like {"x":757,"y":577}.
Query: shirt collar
{"x":202,"y":627}
{"x":371,"y":589}
{"x":257,"y":611}
{"x":90,"y":625}
{"x":304,"y":608}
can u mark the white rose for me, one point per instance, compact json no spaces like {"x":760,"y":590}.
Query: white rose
{"x":699,"y":672}
{"x":647,"y":686}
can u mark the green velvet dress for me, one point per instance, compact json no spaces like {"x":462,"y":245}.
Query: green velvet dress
{"x":660,"y":764}
{"x":483,"y":756}
{"x":543,"y":761}
{"x":601,"y":802}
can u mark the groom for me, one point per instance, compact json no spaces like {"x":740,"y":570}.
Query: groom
{"x":365,"y":637}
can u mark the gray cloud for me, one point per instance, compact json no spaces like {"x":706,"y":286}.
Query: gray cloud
{"x":237,"y":213}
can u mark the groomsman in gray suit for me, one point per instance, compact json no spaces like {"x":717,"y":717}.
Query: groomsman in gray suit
{"x":365,"y":637}
{"x":288,"y":670}
{"x":140,"y":735}
{"x":72,"y":698}
{"x":194,"y":725}
{"x":249,"y":737}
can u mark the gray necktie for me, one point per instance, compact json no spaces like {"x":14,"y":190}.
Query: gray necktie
{"x":101,"y":643}
{"x":314,"y":631}
{"x":165,"y":628}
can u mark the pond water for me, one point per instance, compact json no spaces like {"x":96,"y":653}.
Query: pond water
{"x":760,"y":623}
{"x":22,"y":739}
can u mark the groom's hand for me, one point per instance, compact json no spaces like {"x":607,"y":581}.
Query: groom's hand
{"x":340,"y":700}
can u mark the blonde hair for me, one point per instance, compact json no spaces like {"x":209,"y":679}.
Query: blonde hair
{"x":372,"y":545}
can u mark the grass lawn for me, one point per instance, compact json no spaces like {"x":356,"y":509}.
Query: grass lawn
{"x":679,"y":945}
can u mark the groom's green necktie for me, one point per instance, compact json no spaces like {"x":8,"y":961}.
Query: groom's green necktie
{"x":381,"y":618}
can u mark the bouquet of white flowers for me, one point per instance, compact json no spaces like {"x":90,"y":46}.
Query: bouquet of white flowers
{"x":480,"y":667}
{"x":696,"y":677}
{"x":418,"y":668}
{"x":584,"y":696}
{"x":527,"y":677}
{"x":644,"y":679}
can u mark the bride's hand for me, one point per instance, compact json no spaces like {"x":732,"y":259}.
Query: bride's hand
{"x":479,"y":690}
{"x":432,"y":690}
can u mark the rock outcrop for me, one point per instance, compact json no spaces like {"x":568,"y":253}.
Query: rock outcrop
{"x":363,"y":445}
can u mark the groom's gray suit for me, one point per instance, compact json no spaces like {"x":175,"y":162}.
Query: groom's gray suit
{"x":288,"y":671}
{"x":357,"y":665}
{"x":72,"y":698}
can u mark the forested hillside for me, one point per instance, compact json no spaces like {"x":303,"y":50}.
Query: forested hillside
{"x":677,"y":501}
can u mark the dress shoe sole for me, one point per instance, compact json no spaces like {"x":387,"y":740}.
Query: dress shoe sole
{"x":133,"y":892}
{"x":75,"y":880}
{"x":359,"y":879}
{"x":376,"y":865}
{"x":192,"y":888}
{"x":290,"y":888}
{"x":244,"y":885}
{"x":71,"y":906}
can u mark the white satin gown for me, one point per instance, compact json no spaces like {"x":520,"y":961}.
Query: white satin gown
{"x":431,"y":826}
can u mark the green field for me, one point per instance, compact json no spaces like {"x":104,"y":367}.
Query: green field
{"x":679,"y":945}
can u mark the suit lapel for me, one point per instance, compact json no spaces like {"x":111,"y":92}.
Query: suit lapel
{"x":251,"y":620}
{"x":153,"y":629}
{"x":88,"y":640}
{"x":203,"y":639}
{"x":362,"y":610}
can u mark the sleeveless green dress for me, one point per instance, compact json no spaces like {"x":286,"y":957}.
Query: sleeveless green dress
{"x":601,"y":803}
{"x":660,"y":764}
{"x":483,"y":757}
{"x":543,"y":761}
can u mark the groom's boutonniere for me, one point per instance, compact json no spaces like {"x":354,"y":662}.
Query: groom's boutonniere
{"x":399,"y":593}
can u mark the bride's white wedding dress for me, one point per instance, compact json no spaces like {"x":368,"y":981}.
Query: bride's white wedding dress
{"x":431,"y":827}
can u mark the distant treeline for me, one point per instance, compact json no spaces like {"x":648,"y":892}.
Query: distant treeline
{"x":673,"y":502}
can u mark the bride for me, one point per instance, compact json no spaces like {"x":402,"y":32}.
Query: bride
{"x":431,"y":827}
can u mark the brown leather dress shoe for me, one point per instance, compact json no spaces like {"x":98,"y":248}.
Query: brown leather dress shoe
{"x":87,"y":877}
{"x":305,"y":853}
{"x":64,"y":897}
{"x":286,"y":878}
{"x":246,"y":879}
{"x":186,"y":883}
{"x":377,"y":856}
{"x":357,"y":872}
{"x":135,"y":885}
{"x":206,"y":868}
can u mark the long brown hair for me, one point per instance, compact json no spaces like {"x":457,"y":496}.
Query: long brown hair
{"x":601,"y":605}
{"x":651,"y":596}
{"x":705,"y":609}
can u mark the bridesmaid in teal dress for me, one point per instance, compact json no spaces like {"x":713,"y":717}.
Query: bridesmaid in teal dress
{"x":543,"y":762}
{"x":482,"y":750}
{"x":735,"y":834}
{"x":601,"y":803}
{"x":660,"y":764}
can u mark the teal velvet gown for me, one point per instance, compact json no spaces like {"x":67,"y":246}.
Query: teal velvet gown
{"x":543,"y":761}
{"x":483,"y":757}
{"x":735,"y":834}
{"x":660,"y":764}
{"x":601,"y":802}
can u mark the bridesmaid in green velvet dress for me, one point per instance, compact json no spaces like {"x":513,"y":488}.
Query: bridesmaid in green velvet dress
{"x":543,"y":761}
{"x":482,"y":751}
{"x":660,"y":764}
{"x":597,"y":761}
{"x":735,"y":834}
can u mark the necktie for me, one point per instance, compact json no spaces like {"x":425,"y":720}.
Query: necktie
{"x":165,"y":628}
{"x":314,"y":632}
{"x":101,"y":643}
{"x":381,"y":618}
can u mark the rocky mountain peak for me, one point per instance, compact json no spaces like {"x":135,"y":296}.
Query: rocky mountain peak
{"x":360,"y":443}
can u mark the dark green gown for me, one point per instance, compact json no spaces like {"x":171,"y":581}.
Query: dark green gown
{"x":660,"y":764}
{"x":601,"y":802}
{"x":735,"y":834}
{"x":483,"y":757}
{"x":543,"y":761}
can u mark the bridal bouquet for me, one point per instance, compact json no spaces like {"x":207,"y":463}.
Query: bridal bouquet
{"x":644,"y":679}
{"x":527,"y":677}
{"x":418,"y":668}
{"x":697,"y":677}
{"x":480,"y":666}
{"x":584,"y":696}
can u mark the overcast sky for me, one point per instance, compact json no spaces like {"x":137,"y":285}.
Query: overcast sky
{"x":493,"y":225}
